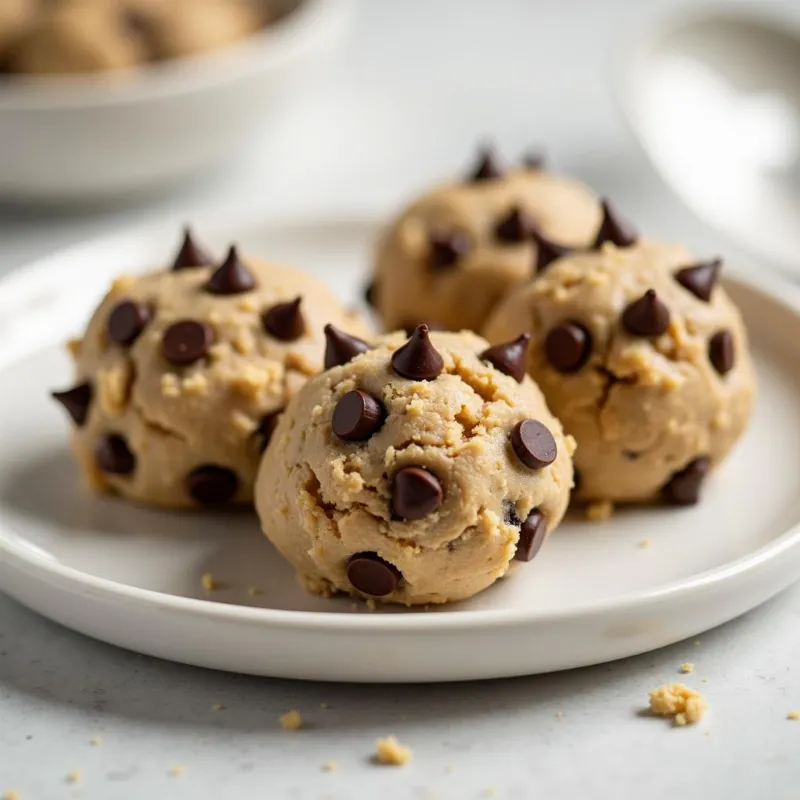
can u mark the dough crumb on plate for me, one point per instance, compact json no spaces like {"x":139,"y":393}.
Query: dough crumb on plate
{"x":686,"y":706}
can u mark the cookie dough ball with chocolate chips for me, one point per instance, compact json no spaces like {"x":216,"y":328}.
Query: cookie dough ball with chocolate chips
{"x":181,"y":375}
{"x":80,"y":36}
{"x":450,"y":256}
{"x":414,"y":471}
{"x":644,"y":358}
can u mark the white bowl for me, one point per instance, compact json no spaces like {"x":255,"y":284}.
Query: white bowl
{"x":91,"y":137}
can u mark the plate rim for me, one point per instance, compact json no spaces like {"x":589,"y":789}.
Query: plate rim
{"x":768,"y":286}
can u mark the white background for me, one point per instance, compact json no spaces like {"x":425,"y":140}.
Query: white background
{"x":418,"y":84}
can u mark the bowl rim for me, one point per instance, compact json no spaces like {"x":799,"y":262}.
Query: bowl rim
{"x":275,"y":46}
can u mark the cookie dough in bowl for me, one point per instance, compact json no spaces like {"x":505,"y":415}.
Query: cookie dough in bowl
{"x":414,"y":471}
{"x":644,"y":358}
{"x":182,"y":373}
{"x":454,"y":252}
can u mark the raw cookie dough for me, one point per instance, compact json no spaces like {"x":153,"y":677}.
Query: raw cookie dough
{"x":450,"y":256}
{"x":182,"y":373}
{"x":655,"y":388}
{"x":414,"y":472}
{"x":76,"y":36}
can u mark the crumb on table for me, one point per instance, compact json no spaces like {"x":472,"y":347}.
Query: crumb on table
{"x":687,"y":667}
{"x":9,"y":794}
{"x":177,"y":770}
{"x":329,"y":766}
{"x":643,"y":544}
{"x":324,"y":706}
{"x":95,"y":741}
{"x":390,"y":752}
{"x":599,"y":510}
{"x":73,"y":776}
{"x":210,"y":583}
{"x":254,"y":591}
{"x":218,"y":707}
{"x":676,"y":700}
{"x":291,"y":721}
{"x":793,"y":715}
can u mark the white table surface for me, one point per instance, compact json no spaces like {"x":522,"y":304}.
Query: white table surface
{"x":420,"y":82}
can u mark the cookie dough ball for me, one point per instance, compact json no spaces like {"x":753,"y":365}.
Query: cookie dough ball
{"x":454,"y":253}
{"x":181,"y":376}
{"x":81,"y":36}
{"x":187,"y":27}
{"x":414,"y":472}
{"x":15,"y":16}
{"x":644,"y":358}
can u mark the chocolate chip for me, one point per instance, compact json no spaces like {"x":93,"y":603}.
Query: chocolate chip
{"x":700,"y":278}
{"x":533,"y":444}
{"x":191,"y":254}
{"x":113,"y":455}
{"x":186,"y":341}
{"x":415,"y":493}
{"x":531,"y":536}
{"x":369,"y":574}
{"x":126,"y":322}
{"x":577,"y":481}
{"x":284,"y":321}
{"x":446,"y":248}
{"x":266,"y":427}
{"x":683,"y":488}
{"x":418,"y":359}
{"x":534,"y":160}
{"x":369,"y":293}
{"x":509,"y":357}
{"x":547,"y":252}
{"x":211,"y":485}
{"x":510,"y":515}
{"x":568,"y":346}
{"x":487,"y":168}
{"x":357,"y":416}
{"x":410,"y":327}
{"x":232,"y":276}
{"x":614,"y":228}
{"x":516,"y":226}
{"x":720,"y":352}
{"x":647,"y":316}
{"x":76,"y":401}
{"x":341,"y":347}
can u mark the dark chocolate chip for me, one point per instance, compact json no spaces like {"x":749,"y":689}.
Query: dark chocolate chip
{"x":647,"y":316}
{"x":684,"y":487}
{"x":547,"y":252}
{"x":341,"y":347}
{"x":410,"y":327}
{"x":568,"y":346}
{"x":191,"y":254}
{"x":510,"y":515}
{"x":284,"y":321}
{"x":186,"y":341}
{"x":614,"y":228}
{"x":720,"y":352}
{"x":446,"y":249}
{"x":76,"y":401}
{"x":232,"y":276}
{"x":415,"y":493}
{"x":418,"y":359}
{"x":516,"y":226}
{"x":211,"y":485}
{"x":701,"y":278}
{"x":266,"y":427}
{"x":487,"y":167}
{"x":369,"y":574}
{"x":357,"y":416}
{"x":534,"y":160}
{"x":509,"y":357}
{"x":113,"y":455}
{"x":533,"y":444}
{"x":369,"y":293}
{"x":531,"y":536}
{"x":631,"y":455}
{"x":126,"y":322}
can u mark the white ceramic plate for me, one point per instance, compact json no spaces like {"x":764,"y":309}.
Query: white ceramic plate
{"x":132,"y":576}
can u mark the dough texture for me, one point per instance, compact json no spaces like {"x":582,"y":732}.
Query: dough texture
{"x":651,"y":411}
{"x":324,"y":501}
{"x":418,"y":279}
{"x":145,"y":425}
